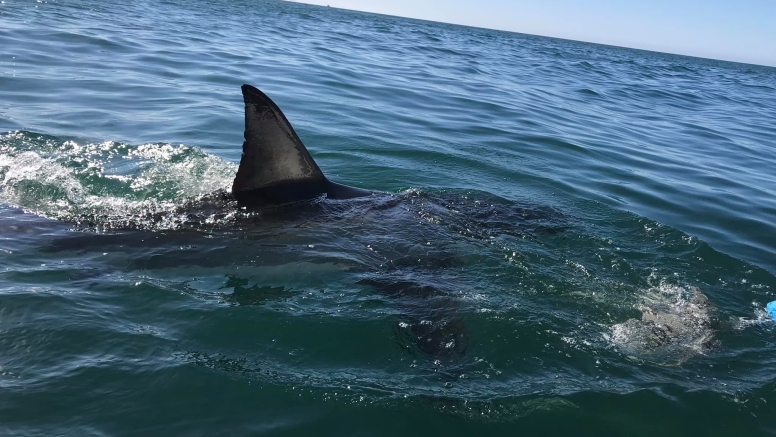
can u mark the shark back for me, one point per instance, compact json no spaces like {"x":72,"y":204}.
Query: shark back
{"x":276,"y":167}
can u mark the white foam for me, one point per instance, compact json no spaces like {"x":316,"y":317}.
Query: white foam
{"x":108,"y":183}
{"x":761,"y":317}
{"x":675,"y":325}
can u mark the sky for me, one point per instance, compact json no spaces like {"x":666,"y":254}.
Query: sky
{"x":741,"y":30}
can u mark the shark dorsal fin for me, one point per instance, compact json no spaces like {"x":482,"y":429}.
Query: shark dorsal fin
{"x":275,"y":165}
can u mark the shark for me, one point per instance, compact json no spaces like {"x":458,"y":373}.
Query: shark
{"x":412,"y":249}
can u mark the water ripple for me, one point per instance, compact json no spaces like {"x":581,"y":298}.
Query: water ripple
{"x":553,"y":210}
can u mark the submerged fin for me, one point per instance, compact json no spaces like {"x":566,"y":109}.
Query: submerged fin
{"x":275,"y":166}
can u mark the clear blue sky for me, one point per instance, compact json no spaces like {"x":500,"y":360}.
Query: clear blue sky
{"x":741,"y":30}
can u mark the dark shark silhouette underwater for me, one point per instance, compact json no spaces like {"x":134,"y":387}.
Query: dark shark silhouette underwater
{"x":418,"y":256}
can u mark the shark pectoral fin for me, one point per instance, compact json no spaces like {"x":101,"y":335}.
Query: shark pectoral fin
{"x":275,"y":166}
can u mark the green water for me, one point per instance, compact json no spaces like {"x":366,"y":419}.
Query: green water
{"x":567,"y":238}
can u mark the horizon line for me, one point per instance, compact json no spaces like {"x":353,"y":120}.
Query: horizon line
{"x":537,"y":35}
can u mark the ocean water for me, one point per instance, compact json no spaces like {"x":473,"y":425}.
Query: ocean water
{"x":566,"y":238}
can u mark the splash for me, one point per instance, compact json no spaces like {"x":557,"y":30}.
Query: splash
{"x":761,"y":318}
{"x":676,"y":324}
{"x":110,"y":184}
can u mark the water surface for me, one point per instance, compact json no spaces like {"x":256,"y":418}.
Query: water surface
{"x":571,"y":237}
